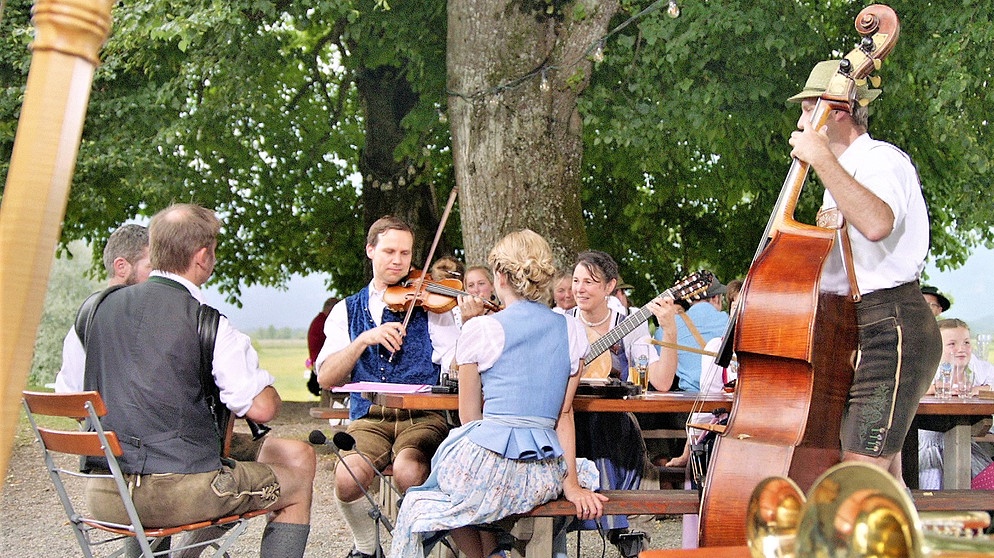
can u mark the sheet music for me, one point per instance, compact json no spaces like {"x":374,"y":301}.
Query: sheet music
{"x":382,"y":387}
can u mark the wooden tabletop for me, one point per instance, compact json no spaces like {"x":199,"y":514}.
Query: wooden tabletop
{"x":672,"y":402}
{"x":931,"y":405}
{"x":708,"y":552}
{"x":665,"y":402}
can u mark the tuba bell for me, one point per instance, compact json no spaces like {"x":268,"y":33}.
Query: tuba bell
{"x":856,"y":510}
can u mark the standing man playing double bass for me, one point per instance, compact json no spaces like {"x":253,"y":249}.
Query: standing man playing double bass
{"x":874,"y":186}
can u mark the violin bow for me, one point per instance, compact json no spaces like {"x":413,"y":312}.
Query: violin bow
{"x":419,"y":287}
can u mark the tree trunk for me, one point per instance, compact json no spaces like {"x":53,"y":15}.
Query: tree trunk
{"x":391,"y":187}
{"x":517,"y":145}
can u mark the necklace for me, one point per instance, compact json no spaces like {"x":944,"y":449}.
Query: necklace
{"x":593,"y":324}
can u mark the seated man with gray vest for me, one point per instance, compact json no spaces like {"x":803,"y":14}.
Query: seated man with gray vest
{"x":143,"y":354}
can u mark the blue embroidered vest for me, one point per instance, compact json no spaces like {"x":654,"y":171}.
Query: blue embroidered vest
{"x":411,"y":364}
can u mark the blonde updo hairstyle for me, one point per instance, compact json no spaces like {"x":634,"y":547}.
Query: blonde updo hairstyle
{"x":525,"y":259}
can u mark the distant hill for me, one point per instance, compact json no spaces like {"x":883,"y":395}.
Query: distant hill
{"x":981,"y":325}
{"x":273,"y":332}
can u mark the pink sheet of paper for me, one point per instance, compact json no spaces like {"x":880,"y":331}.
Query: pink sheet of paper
{"x":382,"y":387}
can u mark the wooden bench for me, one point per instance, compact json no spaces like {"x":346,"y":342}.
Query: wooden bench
{"x":629,"y":502}
{"x":332,"y":413}
{"x":534,"y":530}
{"x":664,"y":434}
{"x":953,"y":500}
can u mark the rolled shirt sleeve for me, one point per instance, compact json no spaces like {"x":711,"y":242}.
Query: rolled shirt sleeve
{"x":70,"y":376}
{"x":236,"y":369}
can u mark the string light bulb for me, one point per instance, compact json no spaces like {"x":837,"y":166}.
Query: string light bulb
{"x":673,"y":10}
{"x":544,"y":85}
{"x":599,"y":51}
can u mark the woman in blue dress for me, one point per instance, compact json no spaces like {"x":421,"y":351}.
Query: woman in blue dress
{"x":518,"y":371}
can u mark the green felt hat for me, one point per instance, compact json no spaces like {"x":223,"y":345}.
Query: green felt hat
{"x":817,"y":82}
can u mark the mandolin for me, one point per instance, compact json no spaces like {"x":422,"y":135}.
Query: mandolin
{"x":596,"y":364}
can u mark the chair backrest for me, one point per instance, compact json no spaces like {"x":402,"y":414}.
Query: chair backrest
{"x":91,"y":532}
{"x":87,"y":405}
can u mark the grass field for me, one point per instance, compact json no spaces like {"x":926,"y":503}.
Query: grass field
{"x":284,"y":359}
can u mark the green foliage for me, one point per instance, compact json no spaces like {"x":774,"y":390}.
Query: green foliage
{"x":68,"y":286}
{"x":252,"y":107}
{"x":687,"y":127}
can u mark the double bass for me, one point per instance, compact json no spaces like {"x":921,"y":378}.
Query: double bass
{"x":795,"y":344}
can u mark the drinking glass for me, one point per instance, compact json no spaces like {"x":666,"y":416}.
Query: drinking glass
{"x":943,"y":381}
{"x":962,"y":384}
{"x":983,"y":345}
{"x":638,"y":370}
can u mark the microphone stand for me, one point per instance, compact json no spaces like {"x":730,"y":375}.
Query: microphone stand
{"x":375,"y":513}
{"x":345,"y":441}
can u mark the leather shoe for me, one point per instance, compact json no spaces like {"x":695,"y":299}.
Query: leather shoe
{"x":629,"y":544}
{"x":354,"y":553}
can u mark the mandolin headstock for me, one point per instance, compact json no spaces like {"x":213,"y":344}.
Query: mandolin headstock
{"x":692,"y":287}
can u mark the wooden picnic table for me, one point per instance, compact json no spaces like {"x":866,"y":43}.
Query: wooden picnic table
{"x":954,"y":417}
{"x":656,"y":402}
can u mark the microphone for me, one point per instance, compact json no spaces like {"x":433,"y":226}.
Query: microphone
{"x":317,"y":438}
{"x":345,"y":441}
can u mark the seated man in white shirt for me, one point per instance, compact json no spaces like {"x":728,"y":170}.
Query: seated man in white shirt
{"x":156,"y":398}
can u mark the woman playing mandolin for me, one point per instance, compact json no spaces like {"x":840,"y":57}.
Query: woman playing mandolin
{"x":612,"y":440}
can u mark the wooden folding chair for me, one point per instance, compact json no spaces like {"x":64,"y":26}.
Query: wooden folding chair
{"x":92,"y":533}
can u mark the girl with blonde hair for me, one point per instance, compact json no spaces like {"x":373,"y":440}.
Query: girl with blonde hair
{"x":516,"y":449}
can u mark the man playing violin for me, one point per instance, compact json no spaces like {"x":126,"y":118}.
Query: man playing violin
{"x":874,"y":187}
{"x":366,"y":341}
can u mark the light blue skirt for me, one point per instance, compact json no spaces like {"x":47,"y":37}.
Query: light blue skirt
{"x":477,"y":486}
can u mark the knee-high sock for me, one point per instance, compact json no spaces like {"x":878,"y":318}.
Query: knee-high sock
{"x":356,"y":514}
{"x":284,"y":540}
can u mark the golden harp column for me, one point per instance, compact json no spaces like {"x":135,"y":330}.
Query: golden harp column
{"x":68,"y":38}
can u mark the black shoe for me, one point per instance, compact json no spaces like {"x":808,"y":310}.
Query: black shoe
{"x":629,"y":544}
{"x":354,"y":553}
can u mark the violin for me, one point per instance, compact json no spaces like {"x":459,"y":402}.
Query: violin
{"x":436,"y":296}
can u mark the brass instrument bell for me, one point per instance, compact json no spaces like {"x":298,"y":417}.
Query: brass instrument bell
{"x":855,"y":510}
